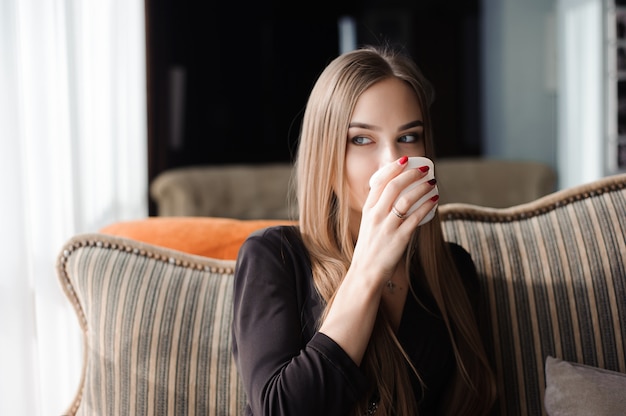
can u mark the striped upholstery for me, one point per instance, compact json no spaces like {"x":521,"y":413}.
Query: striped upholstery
{"x":555,"y":274}
{"x":157,"y":329}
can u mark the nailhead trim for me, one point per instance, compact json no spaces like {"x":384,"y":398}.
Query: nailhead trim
{"x":149,"y":254}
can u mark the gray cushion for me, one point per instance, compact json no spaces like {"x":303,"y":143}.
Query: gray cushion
{"x":574,"y":389}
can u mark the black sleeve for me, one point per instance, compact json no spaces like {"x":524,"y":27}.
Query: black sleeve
{"x":283,"y":372}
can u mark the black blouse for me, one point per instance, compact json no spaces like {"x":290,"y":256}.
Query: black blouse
{"x":287,"y":367}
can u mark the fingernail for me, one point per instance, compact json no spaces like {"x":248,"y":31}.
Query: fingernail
{"x":433,"y":181}
{"x":424,"y":168}
{"x":403,"y":160}
{"x":435,"y":198}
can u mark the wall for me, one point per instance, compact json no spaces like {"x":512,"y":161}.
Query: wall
{"x":520,"y":97}
{"x":522,"y":110}
{"x":544,"y":88}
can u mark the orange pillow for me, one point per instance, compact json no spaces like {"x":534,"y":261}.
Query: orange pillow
{"x":214,"y":237}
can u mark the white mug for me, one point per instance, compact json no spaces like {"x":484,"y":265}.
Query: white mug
{"x":415,"y":162}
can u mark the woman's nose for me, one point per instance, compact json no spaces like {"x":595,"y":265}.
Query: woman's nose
{"x":390,"y":154}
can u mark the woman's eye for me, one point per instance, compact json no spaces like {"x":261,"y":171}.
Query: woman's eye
{"x":409,"y":138}
{"x":360,"y":140}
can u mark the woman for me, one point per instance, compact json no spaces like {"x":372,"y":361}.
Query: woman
{"x":359,"y":309}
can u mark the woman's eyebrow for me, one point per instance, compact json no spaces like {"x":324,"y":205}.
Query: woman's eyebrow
{"x":357,"y":124}
{"x":363,"y":126}
{"x":416,"y":123}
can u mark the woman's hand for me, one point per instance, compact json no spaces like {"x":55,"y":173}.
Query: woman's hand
{"x":385,"y":230}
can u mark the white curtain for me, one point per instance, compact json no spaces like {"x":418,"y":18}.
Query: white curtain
{"x":72,"y":159}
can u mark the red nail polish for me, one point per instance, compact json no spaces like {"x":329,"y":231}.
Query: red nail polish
{"x":403,"y":160}
{"x":435,"y":198}
{"x":424,"y":168}
{"x":432,"y":181}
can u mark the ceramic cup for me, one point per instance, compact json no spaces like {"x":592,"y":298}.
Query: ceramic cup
{"x":414,"y":163}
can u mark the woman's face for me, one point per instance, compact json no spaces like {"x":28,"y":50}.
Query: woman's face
{"x":386,"y":124}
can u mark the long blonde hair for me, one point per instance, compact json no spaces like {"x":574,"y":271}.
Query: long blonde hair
{"x":322,"y":197}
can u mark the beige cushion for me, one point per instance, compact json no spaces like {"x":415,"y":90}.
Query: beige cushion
{"x":495,"y":183}
{"x":156,"y":326}
{"x":233,"y":191}
{"x":263,"y":191}
{"x":574,"y":389}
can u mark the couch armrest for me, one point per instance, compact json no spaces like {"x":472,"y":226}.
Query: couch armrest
{"x":553,"y":272}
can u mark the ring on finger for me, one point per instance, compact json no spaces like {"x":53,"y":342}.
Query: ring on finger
{"x":397,"y":213}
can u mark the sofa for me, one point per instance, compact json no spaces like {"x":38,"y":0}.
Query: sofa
{"x":261,"y":191}
{"x":153,"y":298}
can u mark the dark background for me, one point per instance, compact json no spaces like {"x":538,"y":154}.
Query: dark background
{"x":248,"y":70}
